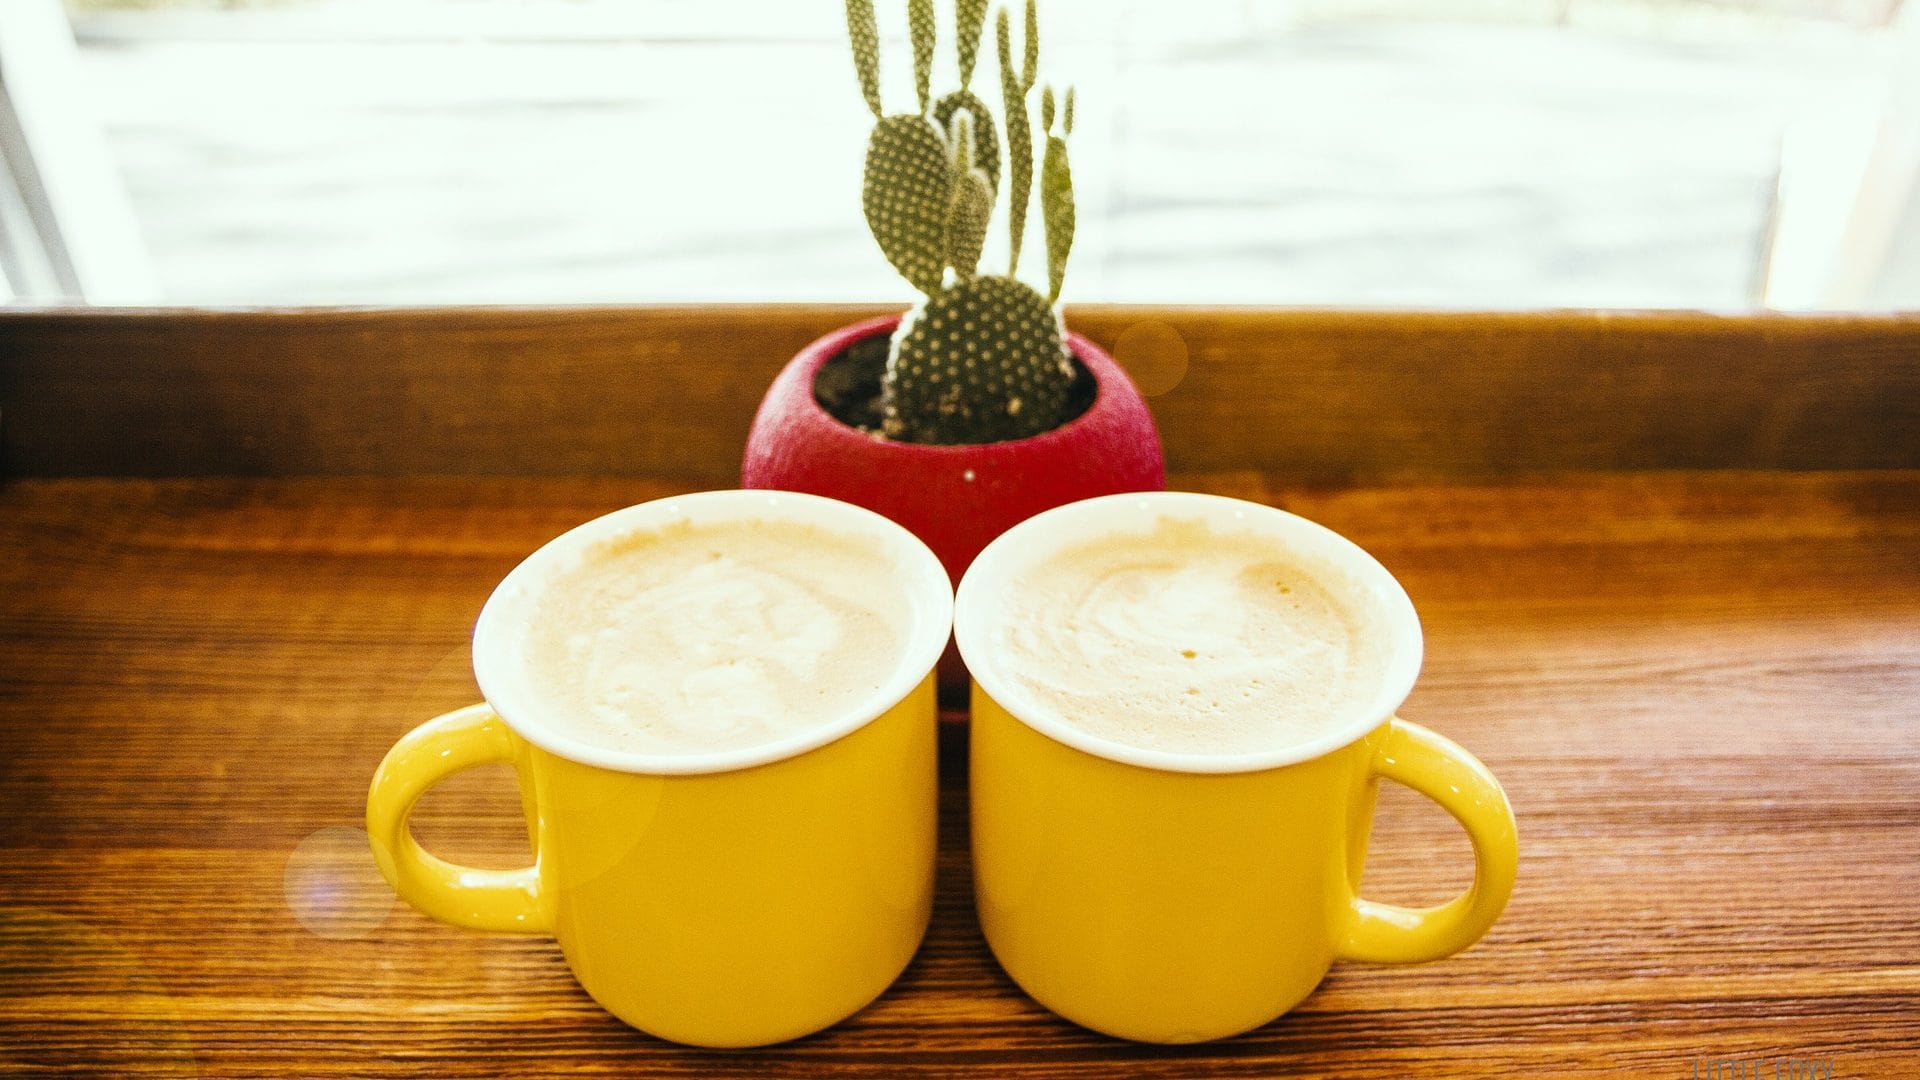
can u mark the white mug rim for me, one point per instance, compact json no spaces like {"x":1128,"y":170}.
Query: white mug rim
{"x":929,"y":598}
{"x":1050,"y":531}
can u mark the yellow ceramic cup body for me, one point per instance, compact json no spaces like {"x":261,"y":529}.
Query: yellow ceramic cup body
{"x":732,"y":899}
{"x":1177,"y":898}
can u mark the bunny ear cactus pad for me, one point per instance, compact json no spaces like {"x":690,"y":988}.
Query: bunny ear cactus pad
{"x":970,"y":207}
{"x":1056,"y":194}
{"x":970,"y":16}
{"x":1014,"y":85}
{"x":980,"y":361}
{"x":865,"y":36}
{"x":908,"y":185}
{"x":986,"y":143}
{"x":921,"y":28}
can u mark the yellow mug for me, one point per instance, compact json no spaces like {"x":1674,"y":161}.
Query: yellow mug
{"x":1181,"y":897}
{"x":722,"y":899}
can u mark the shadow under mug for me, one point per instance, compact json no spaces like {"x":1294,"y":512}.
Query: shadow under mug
{"x":718,"y":899}
{"x":1176,"y":898}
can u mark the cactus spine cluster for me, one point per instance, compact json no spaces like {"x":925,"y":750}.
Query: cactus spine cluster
{"x":983,"y":357}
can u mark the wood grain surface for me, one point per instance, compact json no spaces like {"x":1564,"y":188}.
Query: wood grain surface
{"x":1702,"y":691}
{"x":669,"y":391}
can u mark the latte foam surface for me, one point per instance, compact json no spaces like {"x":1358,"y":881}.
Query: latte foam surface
{"x":713,"y":637}
{"x":1187,"y":640}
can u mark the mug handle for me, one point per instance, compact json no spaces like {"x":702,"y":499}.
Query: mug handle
{"x":1438,"y":768}
{"x":510,"y":900}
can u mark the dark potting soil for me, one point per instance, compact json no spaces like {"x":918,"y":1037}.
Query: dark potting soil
{"x":848,"y":385}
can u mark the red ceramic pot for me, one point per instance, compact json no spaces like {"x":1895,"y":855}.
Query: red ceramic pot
{"x":955,"y":498}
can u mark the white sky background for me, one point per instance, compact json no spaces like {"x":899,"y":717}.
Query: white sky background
{"x":1226,"y":151}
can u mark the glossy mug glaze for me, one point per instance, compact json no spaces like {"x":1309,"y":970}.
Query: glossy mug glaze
{"x":1178,"y":897}
{"x":732,"y":898}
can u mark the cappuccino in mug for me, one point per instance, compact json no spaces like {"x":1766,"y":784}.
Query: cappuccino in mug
{"x":1182,"y":707}
{"x":695,"y":638}
{"x":1191,"y":640}
{"x":719,"y":710}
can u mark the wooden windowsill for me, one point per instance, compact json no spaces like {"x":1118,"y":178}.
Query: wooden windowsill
{"x":669,"y":391}
{"x":1685,"y":634}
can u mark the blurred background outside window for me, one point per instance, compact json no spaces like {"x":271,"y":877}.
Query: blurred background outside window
{"x":1457,"y":154}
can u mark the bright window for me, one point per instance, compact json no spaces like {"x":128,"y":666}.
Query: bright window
{"x":1468,"y":154}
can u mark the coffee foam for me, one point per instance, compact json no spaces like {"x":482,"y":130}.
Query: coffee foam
{"x":713,"y":637}
{"x":1184,"y":639}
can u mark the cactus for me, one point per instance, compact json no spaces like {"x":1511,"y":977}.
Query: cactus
{"x":979,"y":361}
{"x":969,"y":17}
{"x":865,"y":35}
{"x":905,"y":196}
{"x":970,"y":206}
{"x":1056,"y":193}
{"x":982,"y":358}
{"x":1014,"y":86}
{"x":921,"y":28}
{"x":986,"y":144}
